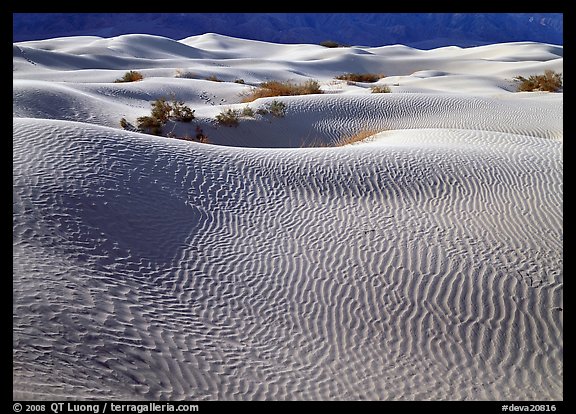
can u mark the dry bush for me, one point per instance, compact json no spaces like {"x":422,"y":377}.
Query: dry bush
{"x":149,"y":125}
{"x":185,"y":74}
{"x":314,"y":143}
{"x":229,"y":117}
{"x":200,"y":136}
{"x":161,"y":110}
{"x":380,"y":89}
{"x":360,"y":77}
{"x":181,"y":112}
{"x":124,"y":124}
{"x":550,"y":81}
{"x":331,"y":43}
{"x":342,"y":141}
{"x":357,"y":137}
{"x":276,"y":88}
{"x":131,"y":76}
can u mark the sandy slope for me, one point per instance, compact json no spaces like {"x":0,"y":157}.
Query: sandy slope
{"x":425,"y":263}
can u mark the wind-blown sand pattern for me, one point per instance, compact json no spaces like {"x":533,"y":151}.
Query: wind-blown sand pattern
{"x":422,"y":264}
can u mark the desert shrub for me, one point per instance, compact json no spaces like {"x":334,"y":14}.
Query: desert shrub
{"x":128,"y":126}
{"x":131,"y":76}
{"x":181,"y":112}
{"x":161,"y":112}
{"x":124,"y":124}
{"x":180,"y":73}
{"x":360,"y":77}
{"x":200,"y":137}
{"x":550,"y":81}
{"x":380,"y":89}
{"x":276,"y":108}
{"x":213,"y":78}
{"x":276,"y":88}
{"x":228,"y":117}
{"x":149,"y":125}
{"x":310,"y":87}
{"x":330,"y":43}
{"x":247,"y":111}
{"x":357,"y":137}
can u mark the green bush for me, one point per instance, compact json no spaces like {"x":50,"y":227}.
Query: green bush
{"x":229,"y":117}
{"x":550,"y":81}
{"x":131,"y":76}
{"x":161,"y":112}
{"x":276,"y":108}
{"x":247,"y":111}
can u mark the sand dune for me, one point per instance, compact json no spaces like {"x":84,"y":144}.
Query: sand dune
{"x":424,"y":263}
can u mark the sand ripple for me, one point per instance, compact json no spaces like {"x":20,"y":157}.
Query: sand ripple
{"x":427,"y":267}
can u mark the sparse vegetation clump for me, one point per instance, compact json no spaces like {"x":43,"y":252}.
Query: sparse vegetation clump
{"x":357,"y":137}
{"x":214,"y":78}
{"x":550,"y":81}
{"x":181,"y":112}
{"x":161,"y":112}
{"x":200,"y":136}
{"x":125,"y":124}
{"x":276,"y":88}
{"x":331,"y":43}
{"x":149,"y":125}
{"x":361,"y":77}
{"x":184,"y":74}
{"x":229,"y":117}
{"x":276,"y":108}
{"x":247,"y":111}
{"x":240,"y":81}
{"x":131,"y":76}
{"x":380,"y":89}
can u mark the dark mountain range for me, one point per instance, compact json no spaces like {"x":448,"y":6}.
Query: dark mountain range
{"x":423,"y":30}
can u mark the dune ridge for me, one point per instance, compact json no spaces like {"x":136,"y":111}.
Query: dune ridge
{"x":422,"y":264}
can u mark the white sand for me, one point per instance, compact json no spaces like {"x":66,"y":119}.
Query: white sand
{"x":422,"y":264}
